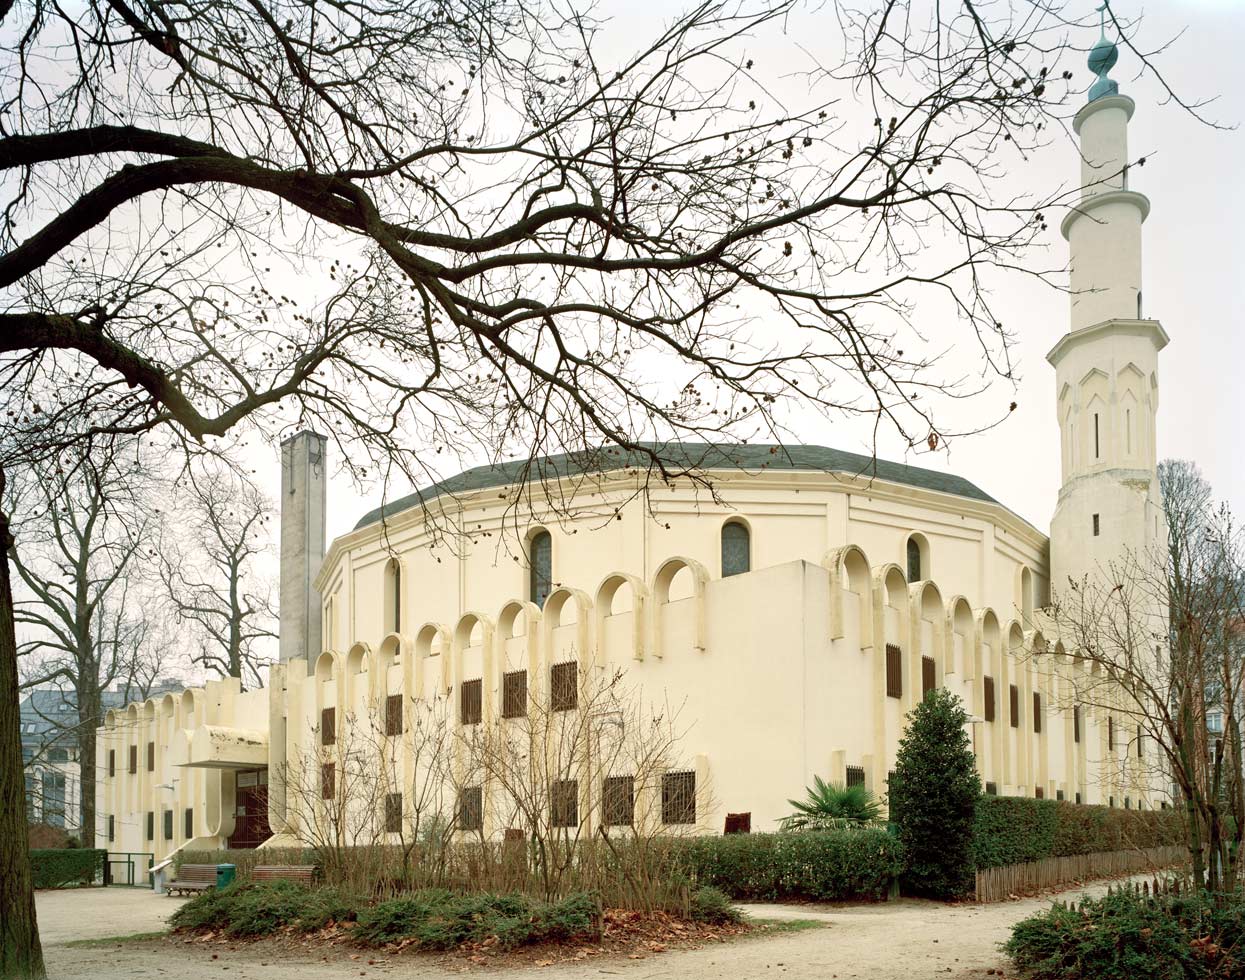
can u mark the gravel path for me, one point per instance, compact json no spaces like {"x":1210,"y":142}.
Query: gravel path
{"x":904,"y":940}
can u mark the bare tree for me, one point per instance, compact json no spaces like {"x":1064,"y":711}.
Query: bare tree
{"x":87,"y":532}
{"x":209,"y":573}
{"x":420,"y":225}
{"x":1158,"y":648}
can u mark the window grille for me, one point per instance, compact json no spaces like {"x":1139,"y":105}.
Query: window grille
{"x":564,"y":803}
{"x":894,"y":671}
{"x":855,"y":776}
{"x":618,"y":801}
{"x":1059,"y":795}
{"x":929,"y":679}
{"x":328,"y":781}
{"x":393,"y":813}
{"x":328,"y":726}
{"x":471,"y":702}
{"x":471,"y":808}
{"x":514,"y":694}
{"x":678,"y":798}
{"x":393,"y":714}
{"x":564,"y":686}
{"x":168,"y":824}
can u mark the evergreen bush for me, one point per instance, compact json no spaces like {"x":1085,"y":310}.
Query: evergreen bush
{"x":1126,"y":936}
{"x":933,"y":795}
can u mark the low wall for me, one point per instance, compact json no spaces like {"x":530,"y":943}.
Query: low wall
{"x":1000,"y":884}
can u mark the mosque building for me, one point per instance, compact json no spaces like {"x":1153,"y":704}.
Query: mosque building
{"x":794,"y":615}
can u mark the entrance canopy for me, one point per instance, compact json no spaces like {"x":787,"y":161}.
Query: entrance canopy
{"x":219,"y":747}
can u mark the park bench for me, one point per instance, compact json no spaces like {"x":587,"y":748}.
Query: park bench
{"x":302,"y":873}
{"x":193,"y":878}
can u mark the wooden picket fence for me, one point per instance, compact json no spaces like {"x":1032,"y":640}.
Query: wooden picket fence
{"x":1000,"y":884}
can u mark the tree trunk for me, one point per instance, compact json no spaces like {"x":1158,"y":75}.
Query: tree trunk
{"x":88,"y":720}
{"x":20,"y":953}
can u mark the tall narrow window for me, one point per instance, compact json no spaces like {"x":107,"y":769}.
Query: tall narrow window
{"x":1110,"y":734}
{"x":133,"y":759}
{"x":564,"y":686}
{"x":328,"y":781}
{"x":471,"y":808}
{"x":471,"y":702}
{"x":1097,"y":453}
{"x":1076,"y":726}
{"x":678,"y":798}
{"x":168,"y":824}
{"x":564,"y":803}
{"x":1013,"y":698}
{"x":328,"y":726}
{"x":514,"y":694}
{"x":151,"y":825}
{"x":618,"y":801}
{"x":393,"y":714}
{"x":736,"y":549}
{"x":393,"y":596}
{"x":894,"y":671}
{"x":112,"y":827}
{"x":151,"y":756}
{"x":1096,"y":525}
{"x":929,"y":675}
{"x":987,"y":695}
{"x":1128,"y":429}
{"x":540,"y":568}
{"x":393,"y":813}
{"x":914,"y":561}
{"x":190,"y":822}
{"x":112,"y":762}
{"x":1037,"y":713}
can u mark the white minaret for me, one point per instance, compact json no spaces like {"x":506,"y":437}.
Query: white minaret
{"x":1106,"y":366}
{"x":303,"y":492}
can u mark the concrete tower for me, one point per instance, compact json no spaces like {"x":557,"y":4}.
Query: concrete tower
{"x":303,"y":487}
{"x":1106,"y":366}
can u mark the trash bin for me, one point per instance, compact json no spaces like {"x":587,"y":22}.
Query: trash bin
{"x":225,"y":874}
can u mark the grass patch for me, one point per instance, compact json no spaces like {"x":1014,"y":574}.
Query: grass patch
{"x":787,"y":925}
{"x":134,"y":937}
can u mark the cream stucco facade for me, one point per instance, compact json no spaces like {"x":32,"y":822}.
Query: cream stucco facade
{"x":796,"y":613}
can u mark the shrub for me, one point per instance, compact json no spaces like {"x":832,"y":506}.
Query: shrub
{"x":1016,"y":829}
{"x":831,"y":865}
{"x":712,"y":905}
{"x":67,"y":867}
{"x":245,"y":909}
{"x":830,"y":806}
{"x":933,"y":798}
{"x":1124,"y":935}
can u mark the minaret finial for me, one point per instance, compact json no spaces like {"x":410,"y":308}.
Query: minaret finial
{"x":1102,"y":59}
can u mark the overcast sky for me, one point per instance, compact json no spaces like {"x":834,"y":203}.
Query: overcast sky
{"x":1193,"y":276}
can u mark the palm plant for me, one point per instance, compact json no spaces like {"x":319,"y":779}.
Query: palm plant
{"x":833,"y":806}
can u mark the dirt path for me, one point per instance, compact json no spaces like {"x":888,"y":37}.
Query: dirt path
{"x":905,"y":940}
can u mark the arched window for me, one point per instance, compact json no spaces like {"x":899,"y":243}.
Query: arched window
{"x":914,"y":560}
{"x":393,"y":596}
{"x":736,"y":549}
{"x":540,"y":565}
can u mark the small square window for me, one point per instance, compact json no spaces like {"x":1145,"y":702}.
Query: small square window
{"x":855,"y":776}
{"x":992,"y":789}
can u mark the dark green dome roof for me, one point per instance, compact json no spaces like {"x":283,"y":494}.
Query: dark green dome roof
{"x":685,"y":456}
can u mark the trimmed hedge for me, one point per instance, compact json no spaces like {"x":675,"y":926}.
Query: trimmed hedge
{"x":1017,"y":829}
{"x":67,"y":868}
{"x":830,"y":865}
